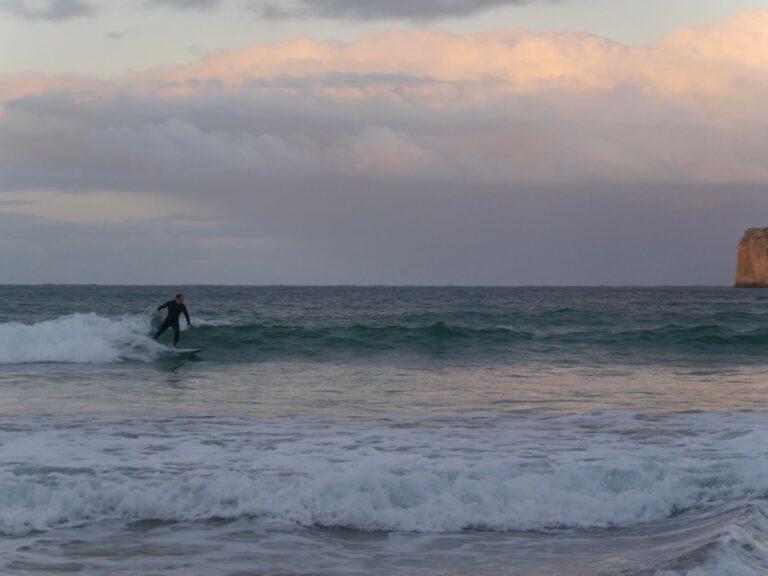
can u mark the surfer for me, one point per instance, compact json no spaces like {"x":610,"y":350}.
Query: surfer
{"x":175,"y":309}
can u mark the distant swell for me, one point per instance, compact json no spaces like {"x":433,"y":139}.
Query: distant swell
{"x":356,"y":336}
{"x":472,"y":341}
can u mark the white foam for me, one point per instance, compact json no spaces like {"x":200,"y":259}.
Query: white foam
{"x":77,"y":338}
{"x":201,"y":321}
{"x":443,"y":480}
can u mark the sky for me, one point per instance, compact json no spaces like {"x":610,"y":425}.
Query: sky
{"x":463,"y":142}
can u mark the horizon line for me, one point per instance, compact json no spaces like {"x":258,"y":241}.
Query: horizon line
{"x":227,"y":285}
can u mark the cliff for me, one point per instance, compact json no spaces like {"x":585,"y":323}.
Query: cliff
{"x":752,"y":271}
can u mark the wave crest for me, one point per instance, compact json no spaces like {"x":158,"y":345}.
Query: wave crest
{"x":78,"y":338}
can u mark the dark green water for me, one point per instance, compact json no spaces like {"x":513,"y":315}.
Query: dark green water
{"x":467,"y":325}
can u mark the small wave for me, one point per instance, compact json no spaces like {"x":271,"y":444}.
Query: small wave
{"x":739,"y":548}
{"x":263,"y":340}
{"x":706,"y":335}
{"x":78,"y":338}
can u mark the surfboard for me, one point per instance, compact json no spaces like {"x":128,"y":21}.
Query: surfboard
{"x":187,"y":351}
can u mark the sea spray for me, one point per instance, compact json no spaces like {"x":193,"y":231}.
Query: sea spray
{"x":78,"y":338}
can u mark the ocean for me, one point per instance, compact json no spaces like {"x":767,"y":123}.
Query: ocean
{"x":385,"y":431}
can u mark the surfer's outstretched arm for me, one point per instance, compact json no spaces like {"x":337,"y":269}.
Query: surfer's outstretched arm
{"x":164,"y":305}
{"x":186,"y":314}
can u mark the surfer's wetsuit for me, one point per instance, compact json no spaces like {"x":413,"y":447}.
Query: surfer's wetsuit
{"x":172,"y":320}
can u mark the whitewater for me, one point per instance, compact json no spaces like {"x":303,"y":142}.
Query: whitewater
{"x":385,"y":431}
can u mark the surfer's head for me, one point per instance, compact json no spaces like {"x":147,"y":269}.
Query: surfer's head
{"x":179,"y":298}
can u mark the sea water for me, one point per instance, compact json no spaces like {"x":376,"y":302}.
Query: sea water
{"x":350,"y":431}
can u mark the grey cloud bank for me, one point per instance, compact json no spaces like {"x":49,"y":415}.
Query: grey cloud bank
{"x":376,"y":9}
{"x":51,"y":10}
{"x":185,"y":4}
{"x":60,"y":10}
{"x":320,"y":191}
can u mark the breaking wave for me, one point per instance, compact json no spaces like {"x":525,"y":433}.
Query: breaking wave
{"x":78,"y":338}
{"x":511,"y":477}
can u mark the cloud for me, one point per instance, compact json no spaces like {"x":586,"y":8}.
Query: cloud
{"x":185,"y":4}
{"x":421,"y":10}
{"x":91,"y":206}
{"x":17,"y":86}
{"x":377,"y":9}
{"x":415,"y":157}
{"x":516,"y":102}
{"x":716,"y":71}
{"x":51,"y":10}
{"x":427,"y":61}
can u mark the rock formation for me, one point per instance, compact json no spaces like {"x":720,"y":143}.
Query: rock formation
{"x":752,"y":271}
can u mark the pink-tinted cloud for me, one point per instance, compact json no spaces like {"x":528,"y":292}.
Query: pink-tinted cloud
{"x":713,"y":60}
{"x":17,"y":86}
{"x":727,"y":59}
{"x":535,"y":107}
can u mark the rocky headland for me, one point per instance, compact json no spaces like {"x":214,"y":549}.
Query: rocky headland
{"x":752,"y":270}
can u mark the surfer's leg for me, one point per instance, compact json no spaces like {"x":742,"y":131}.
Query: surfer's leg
{"x":163,"y":327}
{"x":176,"y":332}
